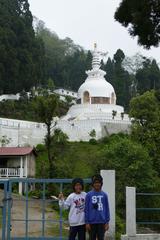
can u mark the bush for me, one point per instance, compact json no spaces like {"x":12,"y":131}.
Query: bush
{"x":93,"y":141}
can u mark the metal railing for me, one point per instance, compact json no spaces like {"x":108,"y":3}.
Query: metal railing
{"x":44,"y":200}
{"x":148,"y":209}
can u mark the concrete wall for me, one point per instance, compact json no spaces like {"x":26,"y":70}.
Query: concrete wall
{"x":109,"y":128}
{"x":80,"y":130}
{"x":142,"y":237}
{"x":22,"y":133}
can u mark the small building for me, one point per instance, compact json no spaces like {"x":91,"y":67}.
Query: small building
{"x":17,"y":162}
{"x":6,"y":97}
{"x":66,"y":92}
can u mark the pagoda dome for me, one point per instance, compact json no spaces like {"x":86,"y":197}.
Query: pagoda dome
{"x":95,"y":89}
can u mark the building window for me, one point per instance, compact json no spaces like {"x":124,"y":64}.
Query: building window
{"x":86,"y":97}
{"x":79,"y":101}
{"x":100,"y":100}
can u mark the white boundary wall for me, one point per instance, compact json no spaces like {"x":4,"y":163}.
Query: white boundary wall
{"x":109,"y":188}
{"x":22,"y":133}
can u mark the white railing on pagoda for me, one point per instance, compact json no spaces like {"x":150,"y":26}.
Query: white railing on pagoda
{"x":11,"y":172}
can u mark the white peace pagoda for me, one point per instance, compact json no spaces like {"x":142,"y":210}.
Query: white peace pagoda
{"x":96,"y":107}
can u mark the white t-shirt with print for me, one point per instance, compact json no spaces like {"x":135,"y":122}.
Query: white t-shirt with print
{"x":76,"y":203}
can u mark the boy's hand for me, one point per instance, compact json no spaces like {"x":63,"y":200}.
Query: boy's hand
{"x":106,"y":227}
{"x":88,"y":227}
{"x":61,"y":197}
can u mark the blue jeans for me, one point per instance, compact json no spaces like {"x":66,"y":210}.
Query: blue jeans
{"x":77,"y":230}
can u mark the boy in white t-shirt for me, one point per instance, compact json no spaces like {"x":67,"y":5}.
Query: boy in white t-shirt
{"x":76,"y":203}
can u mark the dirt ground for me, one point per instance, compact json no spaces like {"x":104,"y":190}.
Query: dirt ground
{"x":18,"y":211}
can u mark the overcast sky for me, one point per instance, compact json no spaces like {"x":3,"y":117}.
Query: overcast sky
{"x":89,"y":21}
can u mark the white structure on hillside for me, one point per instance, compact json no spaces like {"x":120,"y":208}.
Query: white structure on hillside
{"x":65,"y":92}
{"x":96,"y":107}
{"x":5,"y":97}
{"x":22,"y":133}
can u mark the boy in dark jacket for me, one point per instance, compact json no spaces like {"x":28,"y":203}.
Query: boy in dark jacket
{"x":97,"y":214}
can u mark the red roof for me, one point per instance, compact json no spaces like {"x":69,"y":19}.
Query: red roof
{"x":16,"y":151}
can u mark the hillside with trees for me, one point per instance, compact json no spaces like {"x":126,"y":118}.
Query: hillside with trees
{"x":67,"y":63}
{"x":34,"y":56}
{"x":22,"y":52}
{"x":135,"y":157}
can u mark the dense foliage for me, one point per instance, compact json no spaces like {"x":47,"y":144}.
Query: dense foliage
{"x":67,"y":63}
{"x":135,"y":157}
{"x":38,"y":58}
{"x":142,"y":19}
{"x":22,"y":53}
{"x":24,"y":109}
{"x":130,"y":159}
{"x":146,"y":128}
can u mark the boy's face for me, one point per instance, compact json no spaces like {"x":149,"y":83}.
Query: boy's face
{"x":78,"y":188}
{"x":97,"y":186}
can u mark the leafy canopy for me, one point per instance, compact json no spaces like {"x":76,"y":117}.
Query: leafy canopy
{"x":142,"y":19}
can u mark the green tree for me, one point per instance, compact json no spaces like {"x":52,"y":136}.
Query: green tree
{"x":66,"y":62}
{"x":132,"y":163}
{"x":51,"y":85}
{"x":122,"y":80}
{"x":23,"y":96}
{"x":114,"y":113}
{"x":69,"y":100}
{"x":45,"y":108}
{"x":148,"y":77}
{"x":59,"y":137}
{"x":92,"y":133}
{"x":22,"y":54}
{"x":122,"y":115}
{"x":142,"y":20}
{"x":4,"y":141}
{"x":109,"y":68}
{"x":145,"y":110}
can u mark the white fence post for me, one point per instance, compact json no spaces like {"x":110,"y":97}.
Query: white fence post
{"x":109,"y":187}
{"x":21,"y":176}
{"x":131,"y":211}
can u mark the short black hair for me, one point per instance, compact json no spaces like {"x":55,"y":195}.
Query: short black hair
{"x":77,"y":180}
{"x":97,"y":178}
